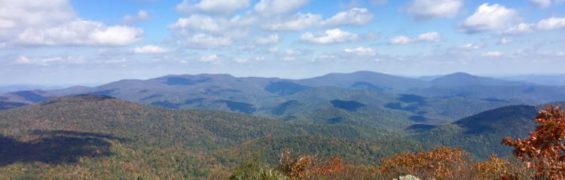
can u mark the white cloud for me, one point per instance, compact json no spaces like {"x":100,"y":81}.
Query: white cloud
{"x":551,"y":23}
{"x":46,"y":61}
{"x":302,"y":21}
{"x":488,"y":17}
{"x":114,"y":35}
{"x":471,"y":46}
{"x":212,"y":6}
{"x":354,"y":16}
{"x":204,"y":31}
{"x":149,"y":49}
{"x":4,"y":24}
{"x":80,"y":33}
{"x":243,"y":60}
{"x":200,"y":22}
{"x":20,"y":13}
{"x":429,"y":37}
{"x":401,"y":40}
{"x":520,"y":29}
{"x":245,"y":20}
{"x":424,"y":37}
{"x":425,"y":9}
{"x":297,"y":22}
{"x":273,"y":50}
{"x":54,"y":22}
{"x":287,"y":54}
{"x":503,"y":41}
{"x":361,"y":51}
{"x":141,"y":15}
{"x":23,"y":60}
{"x":209,"y":58}
{"x":293,"y":52}
{"x":271,"y":39}
{"x":276,"y":7}
{"x":205,"y":40}
{"x":329,"y":36}
{"x":234,"y":28}
{"x":493,"y":54}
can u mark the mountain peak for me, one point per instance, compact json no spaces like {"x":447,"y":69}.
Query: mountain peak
{"x":357,"y":73}
{"x":373,"y":80}
{"x":208,"y":75}
{"x":465,"y":79}
{"x":460,"y":74}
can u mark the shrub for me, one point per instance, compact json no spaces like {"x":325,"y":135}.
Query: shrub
{"x":442,"y":163}
{"x":256,"y":171}
{"x":493,"y":168}
{"x":307,"y":166}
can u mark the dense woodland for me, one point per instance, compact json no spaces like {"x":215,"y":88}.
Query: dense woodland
{"x":102,"y":137}
{"x":361,"y":125}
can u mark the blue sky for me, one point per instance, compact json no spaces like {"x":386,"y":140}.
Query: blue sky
{"x":66,"y":42}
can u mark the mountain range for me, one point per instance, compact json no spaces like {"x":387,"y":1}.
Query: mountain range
{"x":216,"y":120}
{"x":349,"y":96}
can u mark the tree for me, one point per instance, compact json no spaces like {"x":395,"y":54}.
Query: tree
{"x":544,"y":149}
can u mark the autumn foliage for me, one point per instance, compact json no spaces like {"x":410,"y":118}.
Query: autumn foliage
{"x":544,"y":149}
{"x":442,"y":162}
{"x":307,"y":166}
{"x":498,"y":168}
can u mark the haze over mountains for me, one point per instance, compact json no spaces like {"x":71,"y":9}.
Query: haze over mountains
{"x":349,"y":96}
{"x":550,"y":80}
{"x":362,"y":116}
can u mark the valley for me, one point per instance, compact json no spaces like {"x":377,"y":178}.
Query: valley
{"x":212,"y":123}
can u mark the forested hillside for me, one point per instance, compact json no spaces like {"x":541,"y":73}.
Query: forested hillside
{"x":101,"y":136}
{"x":209,"y":125}
{"x":86,"y":133}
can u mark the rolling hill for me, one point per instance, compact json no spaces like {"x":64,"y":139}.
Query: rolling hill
{"x":481,"y":134}
{"x":101,"y":136}
{"x":107,"y":115}
{"x":21,"y":98}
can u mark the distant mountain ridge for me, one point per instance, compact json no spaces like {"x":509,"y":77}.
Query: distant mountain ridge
{"x":187,"y":123}
{"x":382,"y":81}
{"x":548,"y":80}
{"x":465,"y":79}
{"x":442,"y":99}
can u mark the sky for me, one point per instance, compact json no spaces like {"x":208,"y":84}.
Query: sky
{"x":68,"y":42}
